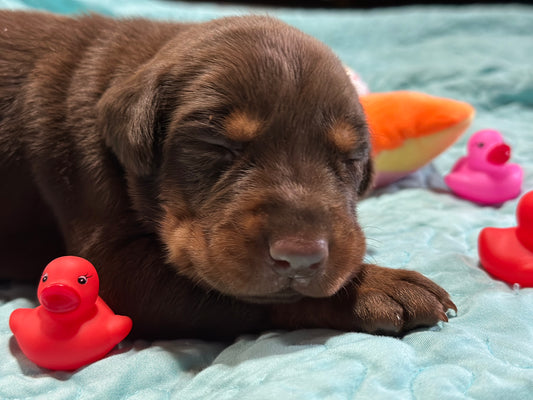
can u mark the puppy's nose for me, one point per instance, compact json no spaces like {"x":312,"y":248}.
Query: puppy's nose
{"x":298,"y":258}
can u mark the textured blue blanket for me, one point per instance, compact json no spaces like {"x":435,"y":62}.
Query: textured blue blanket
{"x":480,"y":54}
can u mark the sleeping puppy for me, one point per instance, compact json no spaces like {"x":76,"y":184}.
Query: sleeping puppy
{"x":210,"y":172}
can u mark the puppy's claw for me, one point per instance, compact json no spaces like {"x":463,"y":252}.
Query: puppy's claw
{"x":449,"y":305}
{"x":452,"y":306}
{"x":443,"y":317}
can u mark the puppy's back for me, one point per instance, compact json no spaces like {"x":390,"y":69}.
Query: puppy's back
{"x":53,"y":69}
{"x":40,"y":53}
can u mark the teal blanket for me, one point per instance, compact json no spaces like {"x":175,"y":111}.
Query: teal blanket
{"x":479,"y":54}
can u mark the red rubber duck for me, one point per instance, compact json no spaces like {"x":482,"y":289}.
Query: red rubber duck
{"x":507,"y":253}
{"x":73,"y":326}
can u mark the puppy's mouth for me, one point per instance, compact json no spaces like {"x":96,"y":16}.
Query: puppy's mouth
{"x":287,"y":295}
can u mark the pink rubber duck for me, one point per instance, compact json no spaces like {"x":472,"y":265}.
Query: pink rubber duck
{"x":484,"y":176}
{"x":508,"y":253}
{"x":73,"y":326}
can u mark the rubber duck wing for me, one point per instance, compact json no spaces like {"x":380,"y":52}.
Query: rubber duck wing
{"x":459,"y":164}
{"x":119,"y":327}
{"x":18,"y":318}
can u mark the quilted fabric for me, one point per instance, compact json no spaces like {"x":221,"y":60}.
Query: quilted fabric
{"x":478,"y":54}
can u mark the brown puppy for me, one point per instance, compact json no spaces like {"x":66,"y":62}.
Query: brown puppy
{"x":210,"y":172}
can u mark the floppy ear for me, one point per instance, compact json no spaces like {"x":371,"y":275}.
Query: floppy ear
{"x":367,"y":183}
{"x":127,"y":118}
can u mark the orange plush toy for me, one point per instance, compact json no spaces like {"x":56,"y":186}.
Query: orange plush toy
{"x":409,"y":129}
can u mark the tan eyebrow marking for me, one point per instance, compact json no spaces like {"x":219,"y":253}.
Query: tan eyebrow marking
{"x":242,"y":127}
{"x":343,"y":136}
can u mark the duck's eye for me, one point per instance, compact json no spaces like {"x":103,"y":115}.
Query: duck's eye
{"x":480,"y":145}
{"x":44,"y":278}
{"x":82,"y":280}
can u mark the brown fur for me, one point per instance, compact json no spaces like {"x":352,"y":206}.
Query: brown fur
{"x":173,"y":155}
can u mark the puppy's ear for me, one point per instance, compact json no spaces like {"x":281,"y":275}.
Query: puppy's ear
{"x":127,"y":119}
{"x":367,"y":182}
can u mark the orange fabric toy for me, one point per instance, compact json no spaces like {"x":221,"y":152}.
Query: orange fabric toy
{"x":409,"y":129}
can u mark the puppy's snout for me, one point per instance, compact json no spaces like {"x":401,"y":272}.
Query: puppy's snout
{"x":298,"y":258}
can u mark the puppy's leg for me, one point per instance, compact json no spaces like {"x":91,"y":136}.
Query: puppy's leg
{"x":29,"y":237}
{"x":378,"y":300}
{"x":136,"y":281}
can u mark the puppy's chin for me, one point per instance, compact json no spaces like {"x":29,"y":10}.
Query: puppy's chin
{"x":288,"y":295}
{"x":275,"y":289}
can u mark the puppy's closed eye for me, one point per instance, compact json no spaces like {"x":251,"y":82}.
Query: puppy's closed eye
{"x":346,"y":138}
{"x":207,"y":158}
{"x":357,"y":155}
{"x":198,"y":159}
{"x":227,"y":150}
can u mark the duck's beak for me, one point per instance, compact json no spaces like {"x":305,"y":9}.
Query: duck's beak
{"x":59,"y":298}
{"x":499,"y":154}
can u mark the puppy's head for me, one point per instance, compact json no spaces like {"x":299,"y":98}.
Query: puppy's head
{"x":256,"y":144}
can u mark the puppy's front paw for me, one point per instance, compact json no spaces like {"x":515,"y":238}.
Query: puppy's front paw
{"x":394,"y":301}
